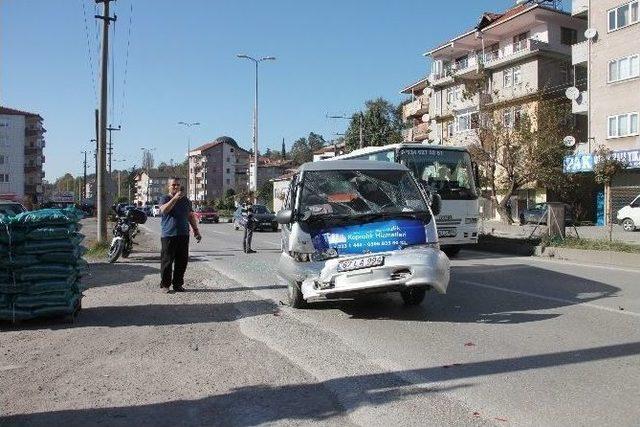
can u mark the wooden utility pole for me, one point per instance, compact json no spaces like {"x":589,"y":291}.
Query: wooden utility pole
{"x":83,"y":192}
{"x":102,"y":138}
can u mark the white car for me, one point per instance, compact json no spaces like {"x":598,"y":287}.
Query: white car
{"x":629,"y":216}
{"x":155,"y":211}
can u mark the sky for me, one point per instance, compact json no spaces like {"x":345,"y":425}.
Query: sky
{"x":176,"y":61}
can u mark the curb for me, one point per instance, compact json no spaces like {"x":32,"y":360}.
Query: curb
{"x":611,"y":258}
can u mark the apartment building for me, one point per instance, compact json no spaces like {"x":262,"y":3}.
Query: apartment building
{"x":415,"y":112}
{"x":151,"y":186}
{"x":609,"y":98}
{"x":21,"y":155}
{"x":268,"y":169}
{"x":519,"y":53}
{"x":216,"y":167}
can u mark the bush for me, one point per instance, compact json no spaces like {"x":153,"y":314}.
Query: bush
{"x":590,"y":244}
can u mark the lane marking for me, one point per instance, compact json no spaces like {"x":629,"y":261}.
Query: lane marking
{"x":555,"y":299}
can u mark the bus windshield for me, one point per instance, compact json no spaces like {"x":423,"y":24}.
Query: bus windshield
{"x":449,"y":172}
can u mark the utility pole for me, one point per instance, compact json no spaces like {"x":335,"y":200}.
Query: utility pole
{"x":361,"y":130}
{"x":84,"y":178}
{"x":102,"y":139}
{"x":110,"y":148}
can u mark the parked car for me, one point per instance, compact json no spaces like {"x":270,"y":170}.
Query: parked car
{"x":537,"y":214}
{"x":352,"y":227}
{"x":629,"y":216}
{"x":265,"y":219}
{"x":11,"y":208}
{"x":155,"y":211}
{"x":206,"y":214}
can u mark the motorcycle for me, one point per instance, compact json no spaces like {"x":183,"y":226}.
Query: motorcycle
{"x":124,"y":231}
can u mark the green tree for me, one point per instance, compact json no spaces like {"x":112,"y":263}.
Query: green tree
{"x":604,"y":170}
{"x":381,"y":125}
{"x":265,"y":194}
{"x":300,"y":151}
{"x":529,"y":152}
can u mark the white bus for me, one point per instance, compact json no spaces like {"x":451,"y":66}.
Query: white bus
{"x":447,"y":170}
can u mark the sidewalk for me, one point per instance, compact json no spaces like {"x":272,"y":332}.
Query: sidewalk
{"x":515,"y":231}
{"x":139,"y":356}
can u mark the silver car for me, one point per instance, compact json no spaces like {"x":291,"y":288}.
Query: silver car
{"x":351,"y":227}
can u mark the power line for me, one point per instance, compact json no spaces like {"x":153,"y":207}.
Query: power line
{"x":126,"y":63}
{"x":91,"y":69}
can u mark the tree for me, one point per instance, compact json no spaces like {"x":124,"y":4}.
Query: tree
{"x":381,"y":125}
{"x":527,"y":151}
{"x":283,"y":152}
{"x":265,"y":194}
{"x":604,"y":170}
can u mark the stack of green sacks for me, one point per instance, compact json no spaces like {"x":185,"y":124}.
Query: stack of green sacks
{"x":41,"y":264}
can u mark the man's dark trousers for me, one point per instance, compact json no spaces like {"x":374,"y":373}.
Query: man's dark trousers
{"x":174,"y":258}
{"x":248,"y":235}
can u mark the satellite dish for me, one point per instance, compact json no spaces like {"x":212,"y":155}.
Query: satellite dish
{"x":569,"y":141}
{"x":590,"y":33}
{"x":425,"y":118}
{"x":572,"y":93}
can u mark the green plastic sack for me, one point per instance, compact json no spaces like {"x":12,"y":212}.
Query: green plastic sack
{"x":11,"y":235}
{"x":52,"y":233}
{"x":18,"y":261}
{"x":71,"y":257}
{"x":12,"y":313}
{"x":52,"y":286}
{"x":47,"y":217}
{"x":44,"y":246}
{"x":58,"y":310}
{"x":34,"y":273}
{"x":82,"y":268}
{"x":49,"y":299}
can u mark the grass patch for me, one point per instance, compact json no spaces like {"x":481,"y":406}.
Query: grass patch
{"x":98,"y":250}
{"x":591,"y":244}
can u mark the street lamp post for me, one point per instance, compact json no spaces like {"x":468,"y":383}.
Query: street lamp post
{"x":188,"y":125}
{"x":254,"y":186}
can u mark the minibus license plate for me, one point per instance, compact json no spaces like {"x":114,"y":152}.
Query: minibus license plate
{"x":359,"y":263}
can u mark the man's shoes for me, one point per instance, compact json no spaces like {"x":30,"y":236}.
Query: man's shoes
{"x":250,"y":251}
{"x":165,"y":288}
{"x":178,"y":288}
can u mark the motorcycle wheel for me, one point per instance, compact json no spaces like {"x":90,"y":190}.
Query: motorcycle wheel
{"x":115,"y":250}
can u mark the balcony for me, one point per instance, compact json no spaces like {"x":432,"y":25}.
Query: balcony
{"x":580,"y":8}
{"x":580,"y":53}
{"x":518,"y":51}
{"x":442,"y":78}
{"x":420,"y":132}
{"x":415,"y":108}
{"x":581,"y":105}
{"x":30,"y":169}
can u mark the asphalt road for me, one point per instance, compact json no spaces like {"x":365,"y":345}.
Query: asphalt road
{"x":516,"y":340}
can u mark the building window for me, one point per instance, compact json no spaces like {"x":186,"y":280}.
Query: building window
{"x":449,"y":95}
{"x":1,"y":160}
{"x":467,"y":121}
{"x":512,"y":117}
{"x":623,"y":16}
{"x":568,"y":36}
{"x":623,"y":125}
{"x":450,"y":129}
{"x":624,"y":68}
{"x":462,"y":62}
{"x":4,"y":177}
{"x":520,"y":42}
{"x":566,"y":73}
{"x":512,"y":76}
{"x":228,"y":170}
{"x":228,"y":181}
{"x":228,"y":159}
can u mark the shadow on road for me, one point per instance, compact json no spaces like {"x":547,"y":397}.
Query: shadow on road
{"x":261,"y":404}
{"x":105,"y":274}
{"x":514,"y":302}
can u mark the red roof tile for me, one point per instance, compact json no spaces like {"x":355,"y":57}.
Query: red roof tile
{"x":12,"y":112}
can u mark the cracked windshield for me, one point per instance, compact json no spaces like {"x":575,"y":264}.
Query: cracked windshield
{"x":360,"y":193}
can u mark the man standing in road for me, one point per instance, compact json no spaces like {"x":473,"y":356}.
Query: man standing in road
{"x":177,"y":214}
{"x":247,"y":211}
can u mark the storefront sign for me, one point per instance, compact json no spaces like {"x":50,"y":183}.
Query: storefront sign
{"x":585,"y":162}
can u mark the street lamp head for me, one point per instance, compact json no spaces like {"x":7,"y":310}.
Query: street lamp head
{"x":242,"y":55}
{"x":268,"y":58}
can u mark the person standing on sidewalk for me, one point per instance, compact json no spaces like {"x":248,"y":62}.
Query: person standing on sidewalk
{"x":177,"y":214}
{"x":248,"y":229}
